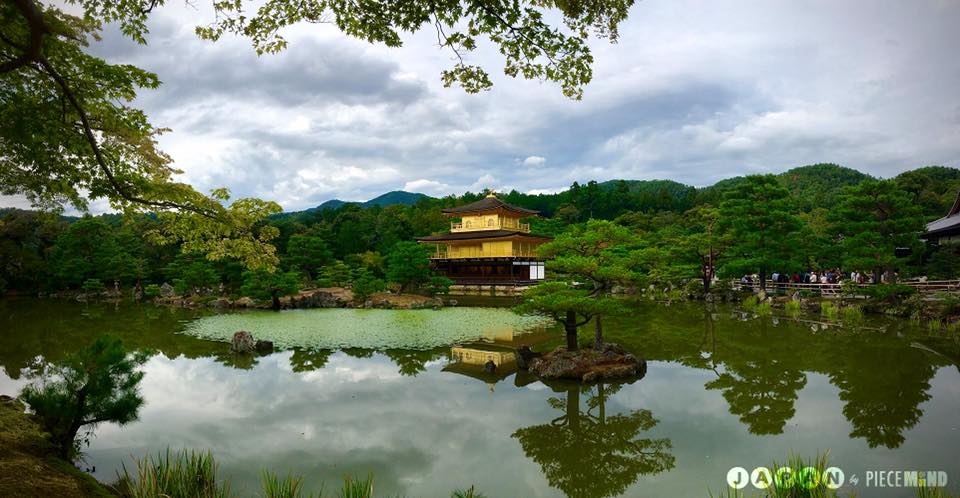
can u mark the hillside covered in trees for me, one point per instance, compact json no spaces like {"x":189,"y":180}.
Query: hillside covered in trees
{"x":43,"y":252}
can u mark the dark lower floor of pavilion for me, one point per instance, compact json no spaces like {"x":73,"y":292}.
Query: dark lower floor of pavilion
{"x":490,"y":271}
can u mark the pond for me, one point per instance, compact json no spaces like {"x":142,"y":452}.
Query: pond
{"x":402,"y":394}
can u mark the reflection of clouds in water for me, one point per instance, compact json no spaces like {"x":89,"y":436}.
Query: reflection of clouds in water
{"x":353,"y":416}
{"x":424,"y":435}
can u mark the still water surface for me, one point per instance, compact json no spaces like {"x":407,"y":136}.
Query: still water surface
{"x":394,"y":393}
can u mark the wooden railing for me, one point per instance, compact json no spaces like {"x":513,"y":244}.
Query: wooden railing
{"x":457,"y":226}
{"x":928,"y":286}
{"x":466,"y":253}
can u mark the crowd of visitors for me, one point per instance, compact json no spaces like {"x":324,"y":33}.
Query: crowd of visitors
{"x":829,"y":276}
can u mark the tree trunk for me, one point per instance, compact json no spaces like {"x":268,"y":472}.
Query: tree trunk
{"x":876,"y":276}
{"x":573,"y":407}
{"x":598,"y":333}
{"x":276,"y":301}
{"x":763,"y":279}
{"x":570,"y":327}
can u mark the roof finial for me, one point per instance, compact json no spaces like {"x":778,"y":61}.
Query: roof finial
{"x":491,"y":193}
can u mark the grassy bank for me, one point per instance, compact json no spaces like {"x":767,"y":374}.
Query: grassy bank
{"x":28,"y":465}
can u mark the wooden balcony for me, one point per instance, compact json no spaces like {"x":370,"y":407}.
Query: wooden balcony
{"x":470,"y":253}
{"x":500,"y":225}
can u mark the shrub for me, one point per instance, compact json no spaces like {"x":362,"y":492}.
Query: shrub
{"x":888,"y":293}
{"x":93,"y":285}
{"x":439,"y":285}
{"x":151,"y":291}
{"x":750,"y":302}
{"x":366,"y":285}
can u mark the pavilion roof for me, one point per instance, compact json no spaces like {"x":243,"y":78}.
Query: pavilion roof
{"x":488,"y":203}
{"x":948,"y":222}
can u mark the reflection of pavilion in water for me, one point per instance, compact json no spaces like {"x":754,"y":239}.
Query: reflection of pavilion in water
{"x":493,"y":357}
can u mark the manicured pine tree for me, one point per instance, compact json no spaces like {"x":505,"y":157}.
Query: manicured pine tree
{"x":97,"y":384}
{"x":262,"y":284}
{"x":585,"y":262}
{"x":873,"y":219}
{"x":759,"y":216}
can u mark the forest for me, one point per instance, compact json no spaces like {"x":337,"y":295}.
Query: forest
{"x":822,"y":216}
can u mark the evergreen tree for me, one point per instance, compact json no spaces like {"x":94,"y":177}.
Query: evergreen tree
{"x":97,"y":384}
{"x":408,"y":265}
{"x":758,"y":213}
{"x":307,"y":254}
{"x":873,"y":219}
{"x":585,"y":262}
{"x":262,"y":284}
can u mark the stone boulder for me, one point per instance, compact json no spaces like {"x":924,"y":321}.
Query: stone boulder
{"x":166,"y":290}
{"x":264,"y":346}
{"x":242,"y":342}
{"x":244,"y":302}
{"x":588,"y":365}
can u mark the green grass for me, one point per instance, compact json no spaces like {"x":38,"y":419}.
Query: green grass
{"x":829,"y":310}
{"x":852,"y":314}
{"x":190,"y":474}
{"x":184,"y":474}
{"x":792,"y":308}
{"x":291,"y":486}
{"x":357,"y":488}
{"x":470,"y":492}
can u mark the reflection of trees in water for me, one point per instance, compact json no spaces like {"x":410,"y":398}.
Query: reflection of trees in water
{"x":412,"y":362}
{"x":306,"y":360}
{"x":592,"y":454}
{"x":761,"y":392}
{"x":883,"y":389}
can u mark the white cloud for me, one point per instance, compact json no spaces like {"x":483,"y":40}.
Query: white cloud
{"x":534,"y":161}
{"x":747,"y":86}
{"x":429,"y":187}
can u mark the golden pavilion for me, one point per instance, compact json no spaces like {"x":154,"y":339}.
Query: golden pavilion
{"x":488,"y":245}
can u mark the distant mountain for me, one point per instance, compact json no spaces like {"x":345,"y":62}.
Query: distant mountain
{"x":331,"y":204}
{"x":395,"y":197}
{"x":388,"y":199}
{"x":812,"y":186}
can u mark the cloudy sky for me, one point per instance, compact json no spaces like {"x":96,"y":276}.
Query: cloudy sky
{"x":694,"y":92}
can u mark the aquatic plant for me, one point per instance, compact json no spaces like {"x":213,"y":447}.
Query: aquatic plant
{"x":764,"y":308}
{"x":193,"y":474}
{"x":829,"y":310}
{"x":935,"y":325}
{"x":750,"y":302}
{"x":357,"y":488}
{"x":792,"y":308}
{"x":274,"y":486}
{"x":852,"y":314}
{"x":184,"y":474}
{"x":470,"y":492}
{"x":368,"y":329}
